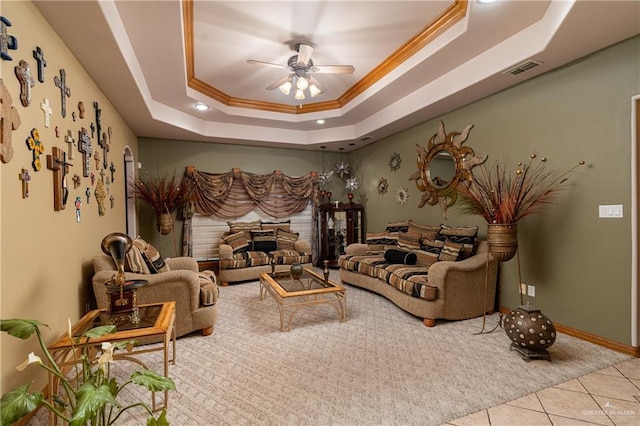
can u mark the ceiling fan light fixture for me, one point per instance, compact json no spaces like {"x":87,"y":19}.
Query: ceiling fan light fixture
{"x":299,"y":95}
{"x":302,"y":83}
{"x":314,"y":91}
{"x":286,"y":87}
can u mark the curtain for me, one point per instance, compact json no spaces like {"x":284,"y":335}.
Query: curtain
{"x":235,"y":193}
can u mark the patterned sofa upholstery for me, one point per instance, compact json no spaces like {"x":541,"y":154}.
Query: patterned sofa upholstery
{"x":447,"y":280}
{"x":247,"y":249}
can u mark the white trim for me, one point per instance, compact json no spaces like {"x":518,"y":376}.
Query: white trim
{"x":635,"y":100}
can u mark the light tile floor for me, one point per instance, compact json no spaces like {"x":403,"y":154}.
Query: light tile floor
{"x":607,"y":397}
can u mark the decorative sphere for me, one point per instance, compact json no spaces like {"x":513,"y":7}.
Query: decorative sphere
{"x":296,"y":270}
{"x":529,"y":328}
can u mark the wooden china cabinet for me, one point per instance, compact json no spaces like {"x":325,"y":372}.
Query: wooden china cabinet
{"x":340,"y":224}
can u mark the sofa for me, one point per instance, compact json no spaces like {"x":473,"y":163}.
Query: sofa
{"x":433,"y":273}
{"x":251,"y":248}
{"x":177,"y":279}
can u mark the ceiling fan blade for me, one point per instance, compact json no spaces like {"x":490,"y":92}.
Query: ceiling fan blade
{"x":304,"y":54}
{"x":315,"y":82}
{"x":268,"y":64}
{"x":333,"y":69}
{"x":279,"y":82}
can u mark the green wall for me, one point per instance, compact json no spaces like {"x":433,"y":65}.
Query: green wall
{"x":580,"y":265}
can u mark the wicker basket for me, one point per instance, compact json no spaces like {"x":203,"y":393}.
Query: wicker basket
{"x":164,"y":223}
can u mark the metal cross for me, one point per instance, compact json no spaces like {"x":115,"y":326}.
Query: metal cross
{"x":61,"y":83}
{"x":38,"y":54}
{"x":44,"y":106}
{"x":84,"y":146}
{"x":96,"y":157}
{"x":112,"y":168}
{"x":99,"y":126}
{"x":105,"y":148}
{"x":23,"y":72}
{"x":6,"y":41}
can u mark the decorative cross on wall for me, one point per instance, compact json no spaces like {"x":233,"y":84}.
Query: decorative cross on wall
{"x":93,"y":130}
{"x":44,"y":106}
{"x":7,"y":42}
{"x":84,"y":146}
{"x":96,"y":156}
{"x":38,"y":54}
{"x":9,"y":121}
{"x":87,"y":193}
{"x":23,"y":72}
{"x":25,"y":177}
{"x":35,"y":144}
{"x":105,"y":148}
{"x":77,"y":180}
{"x":81,"y":109}
{"x":112,"y":168}
{"x":99,"y":124}
{"x":65,"y":92}
{"x":57,"y":162}
{"x":72,"y":143}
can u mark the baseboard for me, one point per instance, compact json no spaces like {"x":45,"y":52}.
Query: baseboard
{"x":591,"y":338}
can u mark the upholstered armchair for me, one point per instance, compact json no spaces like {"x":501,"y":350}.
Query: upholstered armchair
{"x":195,"y":293}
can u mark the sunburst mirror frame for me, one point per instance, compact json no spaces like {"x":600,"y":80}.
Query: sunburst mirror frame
{"x":464,"y":159}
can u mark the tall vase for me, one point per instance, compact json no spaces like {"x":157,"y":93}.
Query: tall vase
{"x":503,"y":240}
{"x":164,"y":223}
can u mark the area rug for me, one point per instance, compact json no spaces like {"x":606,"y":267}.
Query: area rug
{"x":381,"y":367}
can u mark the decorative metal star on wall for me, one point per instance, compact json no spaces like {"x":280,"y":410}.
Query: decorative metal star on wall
{"x":401,"y":196}
{"x":394,"y":162}
{"x":352,"y":183}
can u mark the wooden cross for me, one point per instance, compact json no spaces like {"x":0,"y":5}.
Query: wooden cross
{"x":35,"y":144}
{"x":69,"y":140}
{"x":9,"y":121}
{"x":93,"y":130}
{"x":57,"y":162}
{"x":23,"y":72}
{"x":112,"y":199}
{"x":102,"y":175}
{"x":93,"y":179}
{"x":77,"y":180}
{"x":38,"y":54}
{"x":44,"y":106}
{"x":73,"y":115}
{"x":81,"y":109}
{"x":84,"y":146}
{"x":112,"y":168}
{"x":96,"y":156}
{"x":57,"y":132}
{"x":61,"y":83}
{"x":105,"y":148}
{"x":6,"y":41}
{"x":25,"y":177}
{"x":99,"y":124}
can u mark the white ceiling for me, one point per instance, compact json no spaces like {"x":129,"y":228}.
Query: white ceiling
{"x":139,"y":54}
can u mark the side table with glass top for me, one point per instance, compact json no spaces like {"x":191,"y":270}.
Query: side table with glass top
{"x":156,"y":321}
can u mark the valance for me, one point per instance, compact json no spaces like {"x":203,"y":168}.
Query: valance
{"x":235,"y":193}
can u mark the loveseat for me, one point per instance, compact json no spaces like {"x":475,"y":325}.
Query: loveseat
{"x":250,"y":248}
{"x":176,"y":279}
{"x":431,"y":272}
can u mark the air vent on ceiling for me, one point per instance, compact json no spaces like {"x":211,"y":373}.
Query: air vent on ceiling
{"x":365,"y":138}
{"x":525,"y":66}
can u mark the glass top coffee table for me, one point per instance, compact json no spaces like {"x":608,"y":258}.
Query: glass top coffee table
{"x":310,"y":289}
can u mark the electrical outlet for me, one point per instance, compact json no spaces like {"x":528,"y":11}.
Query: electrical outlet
{"x":523,"y":288}
{"x":531,"y":290}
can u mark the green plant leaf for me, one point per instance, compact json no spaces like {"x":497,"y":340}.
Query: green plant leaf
{"x":160,"y":421}
{"x":18,"y":403}
{"x":152,"y":381}
{"x":91,"y":401}
{"x":100,"y":331}
{"x":20,"y":328}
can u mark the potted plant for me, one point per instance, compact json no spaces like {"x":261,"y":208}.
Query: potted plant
{"x":91,"y":397}
{"x":163,"y":195}
{"x":503,"y":197}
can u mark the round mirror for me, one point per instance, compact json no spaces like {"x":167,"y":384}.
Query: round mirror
{"x":442,"y":169}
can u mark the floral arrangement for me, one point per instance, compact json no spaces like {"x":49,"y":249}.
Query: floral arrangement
{"x":500,"y":195}
{"x":163,"y":194}
{"x":89,"y":397}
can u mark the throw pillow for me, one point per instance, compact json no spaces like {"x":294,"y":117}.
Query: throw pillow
{"x":263,"y":235}
{"x":264,"y":246}
{"x":451,"y":251}
{"x":429,"y":251}
{"x":285,"y":225}
{"x":286,"y":240}
{"x":134,"y":262}
{"x":397,"y":226}
{"x":237,"y":241}
{"x":400,"y":257}
{"x":246,"y":227}
{"x":409,"y":241}
{"x":460,"y":235}
{"x":377,"y":241}
{"x":144,"y":258}
{"x":426,"y":231}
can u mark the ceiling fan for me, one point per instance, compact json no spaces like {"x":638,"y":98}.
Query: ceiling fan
{"x":302,"y":69}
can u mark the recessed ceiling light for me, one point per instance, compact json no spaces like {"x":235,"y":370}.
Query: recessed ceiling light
{"x":320,"y":121}
{"x":201,"y":107}
{"x":486,"y":1}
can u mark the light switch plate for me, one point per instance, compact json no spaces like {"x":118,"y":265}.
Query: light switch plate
{"x":610,"y":211}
